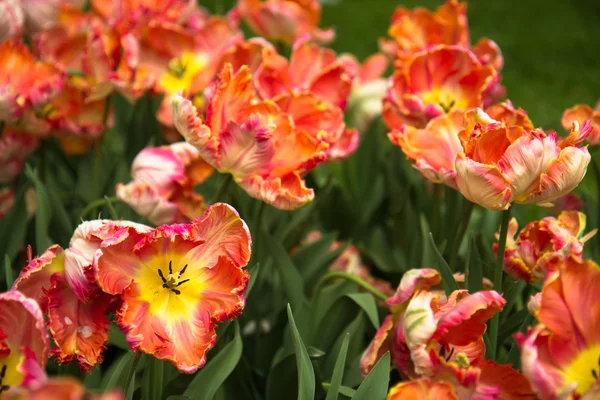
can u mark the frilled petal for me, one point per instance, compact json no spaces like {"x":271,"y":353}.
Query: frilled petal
{"x":116,"y":263}
{"x":23,"y":338}
{"x":286,"y":193}
{"x":488,"y":53}
{"x":422,"y":389}
{"x":419,"y":326}
{"x":483,"y":184}
{"x":145,"y":200}
{"x":546,"y":380}
{"x":524,"y":161}
{"x":466,"y":321}
{"x":245,"y":148}
{"x":34,"y":279}
{"x":150,"y":328}
{"x":345,"y":146}
{"x":380,"y":345}
{"x":412,"y":281}
{"x":193,"y":129}
{"x":79,"y":330}
{"x":563,"y":175}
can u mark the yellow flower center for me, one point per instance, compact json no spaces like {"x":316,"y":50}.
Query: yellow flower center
{"x":9,"y":373}
{"x":173,"y":281}
{"x":584,"y":371}
{"x":170,"y":286}
{"x":444,"y":98}
{"x":182,"y":72}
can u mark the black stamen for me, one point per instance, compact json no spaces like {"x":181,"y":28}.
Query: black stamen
{"x":450,"y":355}
{"x":165,"y":286}
{"x":4,"y":388}
{"x":183,"y":270}
{"x":176,"y":291}
{"x":182,"y":282}
{"x":161,"y":276}
{"x":595,"y":374}
{"x":3,"y":372}
{"x":170,"y":267}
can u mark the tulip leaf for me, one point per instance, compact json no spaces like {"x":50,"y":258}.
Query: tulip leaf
{"x":42,"y":213}
{"x":338,"y":371}
{"x":290,"y":276}
{"x":8,"y":273}
{"x":253,"y":272}
{"x":111,"y":209}
{"x":210,"y":378}
{"x":473,"y":271}
{"x":448,"y":281}
{"x":366,"y":301}
{"x":375,"y":385}
{"x":511,"y":325}
{"x":13,"y":227}
{"x":152,"y":386}
{"x":114,"y":377}
{"x":306,"y":374}
{"x":514,"y":355}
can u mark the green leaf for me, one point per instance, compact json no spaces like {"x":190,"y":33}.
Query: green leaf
{"x":375,"y":385}
{"x":474,"y":273}
{"x":448,"y":281}
{"x":117,"y":372}
{"x":306,"y":374}
{"x":153,"y":379}
{"x":13,"y":227}
{"x":8,"y":274}
{"x":178,"y":397}
{"x":42,"y":213}
{"x":366,"y":301}
{"x":338,"y":370}
{"x":253,"y":272}
{"x":511,"y":325}
{"x":62,"y":217}
{"x":289,"y":274}
{"x":514,"y":355}
{"x":208,"y":380}
{"x":111,"y":209}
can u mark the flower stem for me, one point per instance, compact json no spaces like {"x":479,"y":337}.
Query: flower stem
{"x":97,"y":203}
{"x":350,"y":277}
{"x":498,"y":276}
{"x":222,"y":189}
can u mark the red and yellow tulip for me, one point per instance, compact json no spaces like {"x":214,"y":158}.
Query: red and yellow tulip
{"x":177,"y":282}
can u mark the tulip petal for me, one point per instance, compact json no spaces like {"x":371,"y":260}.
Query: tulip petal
{"x":380,"y":345}
{"x":34,"y":279}
{"x":483,"y":184}
{"x":563,"y":175}
{"x":79,"y":330}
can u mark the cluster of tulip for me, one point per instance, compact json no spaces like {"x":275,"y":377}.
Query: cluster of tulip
{"x":265,"y":112}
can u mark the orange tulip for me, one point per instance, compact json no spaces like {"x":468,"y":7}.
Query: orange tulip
{"x":581,"y":113}
{"x":177,"y":282}
{"x":163,"y":183}
{"x":254,"y":141}
{"x":285,"y":20}
{"x":504,"y":163}
{"x":23,"y":342}
{"x":560,"y":355}
{"x":434,"y":82}
{"x":543,"y":245}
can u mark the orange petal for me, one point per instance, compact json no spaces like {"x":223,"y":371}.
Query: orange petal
{"x":78,"y":330}
{"x":483,"y":184}
{"x":422,"y":389}
{"x":34,"y":279}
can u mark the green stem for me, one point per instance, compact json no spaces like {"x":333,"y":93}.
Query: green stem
{"x":498,"y":276}
{"x":97,"y":203}
{"x":222,"y":189}
{"x":350,"y":277}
